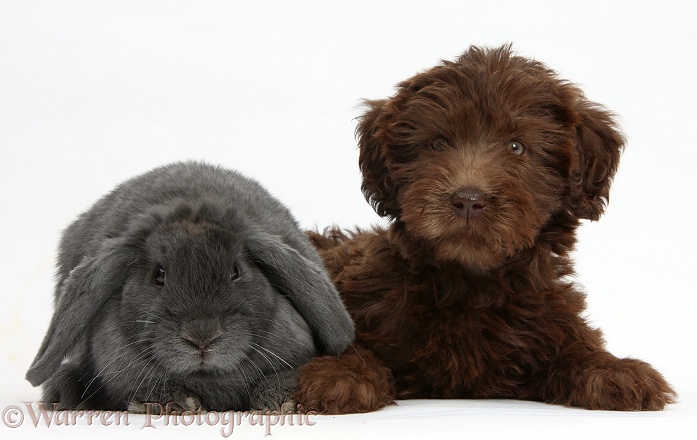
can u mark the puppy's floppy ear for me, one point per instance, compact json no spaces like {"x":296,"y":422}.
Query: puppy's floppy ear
{"x":599,"y":144}
{"x":308,"y":288}
{"x":372,"y":133}
{"x":82,"y":295}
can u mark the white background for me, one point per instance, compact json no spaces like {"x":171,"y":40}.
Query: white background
{"x":94,"y":92}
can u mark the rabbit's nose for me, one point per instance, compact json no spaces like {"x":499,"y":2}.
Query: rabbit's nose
{"x":201,"y":333}
{"x":200,"y":342}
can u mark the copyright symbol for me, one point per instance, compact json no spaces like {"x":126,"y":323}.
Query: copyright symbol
{"x":12,"y":416}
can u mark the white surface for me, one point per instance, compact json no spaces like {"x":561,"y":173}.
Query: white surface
{"x":93,"y":92}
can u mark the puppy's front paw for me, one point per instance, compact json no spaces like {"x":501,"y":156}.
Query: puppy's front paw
{"x":350,"y":383}
{"x":623,"y":385}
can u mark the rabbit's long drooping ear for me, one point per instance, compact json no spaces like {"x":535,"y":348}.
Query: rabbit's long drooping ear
{"x":309,"y":289}
{"x":82,"y":294}
{"x":599,"y":145}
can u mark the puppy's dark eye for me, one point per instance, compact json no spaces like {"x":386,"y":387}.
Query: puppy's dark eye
{"x":439,"y":144}
{"x":516,"y":147}
{"x":158,"y":276}
{"x":235,"y":273}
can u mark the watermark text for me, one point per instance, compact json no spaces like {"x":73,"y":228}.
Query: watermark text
{"x":42,"y":415}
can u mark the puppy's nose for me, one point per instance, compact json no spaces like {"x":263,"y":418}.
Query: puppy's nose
{"x":468,"y":203}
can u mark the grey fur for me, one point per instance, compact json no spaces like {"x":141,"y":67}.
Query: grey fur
{"x":118,"y":338}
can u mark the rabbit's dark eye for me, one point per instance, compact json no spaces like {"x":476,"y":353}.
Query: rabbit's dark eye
{"x":158,"y":276}
{"x":235,"y":274}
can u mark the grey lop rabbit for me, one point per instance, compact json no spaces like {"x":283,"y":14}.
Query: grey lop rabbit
{"x":189,"y":285}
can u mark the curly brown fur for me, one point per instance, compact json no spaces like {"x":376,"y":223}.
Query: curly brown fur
{"x":484,"y":166}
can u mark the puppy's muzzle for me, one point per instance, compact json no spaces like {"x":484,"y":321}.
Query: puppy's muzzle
{"x":468,"y":203}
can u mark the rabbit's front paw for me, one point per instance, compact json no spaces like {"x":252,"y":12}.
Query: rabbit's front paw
{"x":273,"y":393}
{"x":175,"y":400}
{"x":187,"y":404}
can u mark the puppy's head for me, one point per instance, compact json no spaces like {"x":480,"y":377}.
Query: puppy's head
{"x":476,"y":156}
